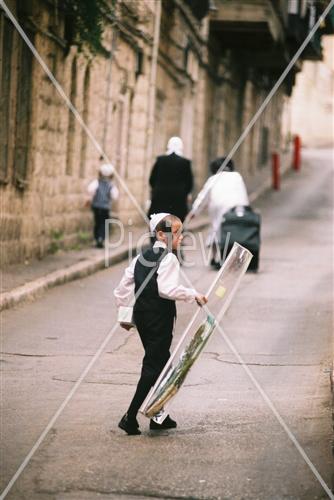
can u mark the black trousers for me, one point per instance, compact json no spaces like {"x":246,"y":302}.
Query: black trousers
{"x":100,"y":216}
{"x":156,"y":334}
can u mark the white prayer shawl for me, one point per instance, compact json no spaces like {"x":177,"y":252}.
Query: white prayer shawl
{"x":220,"y":193}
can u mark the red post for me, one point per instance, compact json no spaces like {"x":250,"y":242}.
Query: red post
{"x":276,"y":171}
{"x":296,"y":152}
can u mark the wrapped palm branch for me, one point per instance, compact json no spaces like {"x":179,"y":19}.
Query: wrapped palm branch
{"x":176,"y":375}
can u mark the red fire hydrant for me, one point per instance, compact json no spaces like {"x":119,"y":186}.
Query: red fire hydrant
{"x":276,"y":174}
{"x":296,"y":152}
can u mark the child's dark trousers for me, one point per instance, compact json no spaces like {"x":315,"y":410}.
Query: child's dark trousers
{"x":156,"y":335}
{"x":100,"y":216}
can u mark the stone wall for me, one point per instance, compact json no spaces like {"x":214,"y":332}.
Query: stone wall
{"x":47,"y":212}
{"x":312,"y":100}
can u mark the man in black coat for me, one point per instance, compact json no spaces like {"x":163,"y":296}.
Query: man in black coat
{"x":171,"y":181}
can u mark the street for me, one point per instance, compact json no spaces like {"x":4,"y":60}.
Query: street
{"x":228,"y":443}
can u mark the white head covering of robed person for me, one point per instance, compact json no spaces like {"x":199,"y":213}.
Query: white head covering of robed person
{"x":175,"y":145}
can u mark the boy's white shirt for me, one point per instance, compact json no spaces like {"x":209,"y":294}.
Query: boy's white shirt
{"x":92,"y":187}
{"x":167,"y":280}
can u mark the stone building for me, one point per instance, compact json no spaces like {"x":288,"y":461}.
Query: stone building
{"x":192,"y":68}
{"x":312,"y":100}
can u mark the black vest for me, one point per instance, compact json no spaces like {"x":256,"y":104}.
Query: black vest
{"x":149,"y":300}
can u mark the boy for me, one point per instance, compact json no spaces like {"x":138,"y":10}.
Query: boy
{"x":154,"y":277}
{"x":102,"y":191}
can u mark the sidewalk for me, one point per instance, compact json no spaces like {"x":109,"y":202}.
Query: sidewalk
{"x":21,"y":282}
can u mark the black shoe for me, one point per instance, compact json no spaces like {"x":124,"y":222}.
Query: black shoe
{"x":214,"y":264}
{"x":168,"y":423}
{"x":99,"y":243}
{"x":131,"y":427}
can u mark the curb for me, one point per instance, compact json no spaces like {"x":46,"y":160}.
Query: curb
{"x":35,"y":288}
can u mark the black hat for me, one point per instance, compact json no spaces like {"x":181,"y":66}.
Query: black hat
{"x":217,"y":163}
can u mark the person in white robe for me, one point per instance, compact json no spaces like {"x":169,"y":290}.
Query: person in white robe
{"x":222,"y":191}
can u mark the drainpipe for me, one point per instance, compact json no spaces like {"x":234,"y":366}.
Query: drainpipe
{"x":151,"y":95}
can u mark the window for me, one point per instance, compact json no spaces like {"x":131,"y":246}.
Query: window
{"x":23,"y":113}
{"x":160,"y":132}
{"x":85,"y":118}
{"x":71,"y":121}
{"x":139,"y":63}
{"x":264,"y":146}
{"x":119,"y":133}
{"x":6,"y":46}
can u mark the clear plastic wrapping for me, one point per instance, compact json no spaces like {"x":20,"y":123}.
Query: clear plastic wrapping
{"x":197,"y":334}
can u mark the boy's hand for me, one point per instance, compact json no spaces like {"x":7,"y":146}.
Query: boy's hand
{"x":126,"y":326}
{"x":201,"y":300}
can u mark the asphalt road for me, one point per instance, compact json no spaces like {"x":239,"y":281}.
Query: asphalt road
{"x":231,"y":441}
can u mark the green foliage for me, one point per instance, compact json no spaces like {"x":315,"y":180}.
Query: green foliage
{"x":57,"y":238}
{"x":57,"y":234}
{"x":84,"y":239}
{"x":84,"y":236}
{"x":84,"y":23}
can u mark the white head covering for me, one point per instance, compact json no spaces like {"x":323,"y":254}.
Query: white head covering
{"x":175,"y":145}
{"x":156,"y":218}
{"x":107,"y":169}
